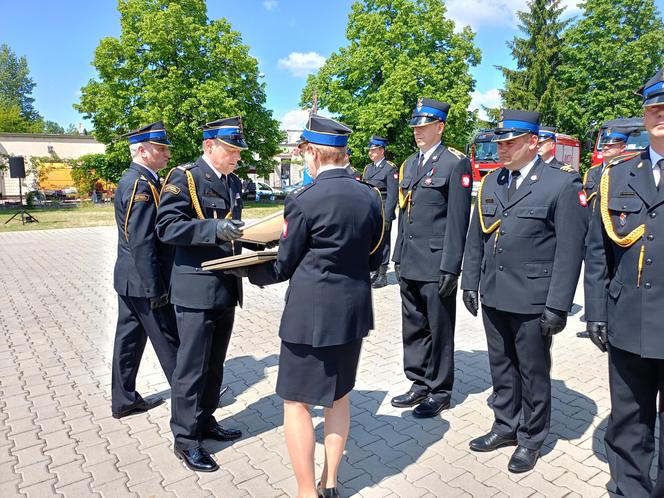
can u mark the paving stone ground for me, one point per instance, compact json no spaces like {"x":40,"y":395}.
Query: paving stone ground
{"x":57,"y":436}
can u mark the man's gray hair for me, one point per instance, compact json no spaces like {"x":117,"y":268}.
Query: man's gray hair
{"x":133,"y":149}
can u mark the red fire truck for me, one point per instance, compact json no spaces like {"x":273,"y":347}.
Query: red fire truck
{"x":483,"y":153}
{"x":637,"y":140}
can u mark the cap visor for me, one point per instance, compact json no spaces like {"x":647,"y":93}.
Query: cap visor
{"x":235,"y":143}
{"x":422,"y":121}
{"x":502,"y":137}
{"x":654,"y":100}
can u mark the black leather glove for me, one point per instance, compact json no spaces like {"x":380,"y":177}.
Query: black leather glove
{"x":470,"y":299}
{"x":158,"y":302}
{"x":228,"y":230}
{"x":397,"y":272}
{"x":552,"y":321}
{"x":446,"y":284}
{"x":237,"y":272}
{"x":598,"y":333}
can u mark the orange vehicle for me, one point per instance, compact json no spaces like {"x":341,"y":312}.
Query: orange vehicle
{"x":636,"y":141}
{"x":483,"y":153}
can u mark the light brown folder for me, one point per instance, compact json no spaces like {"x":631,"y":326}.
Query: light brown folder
{"x":238,"y":261}
{"x":265,"y":230}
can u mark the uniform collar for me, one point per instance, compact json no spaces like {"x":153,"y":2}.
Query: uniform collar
{"x":526,"y":169}
{"x":329,"y":167}
{"x":214,"y":170}
{"x":144,"y":167}
{"x":429,"y":152}
{"x":654,"y":156}
{"x":378,"y":163}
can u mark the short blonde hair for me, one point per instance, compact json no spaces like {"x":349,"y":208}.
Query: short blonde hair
{"x":329,"y":155}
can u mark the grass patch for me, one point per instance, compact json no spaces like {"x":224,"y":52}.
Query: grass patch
{"x":89,"y":215}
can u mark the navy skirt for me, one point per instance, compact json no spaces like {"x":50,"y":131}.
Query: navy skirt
{"x":317,"y":376}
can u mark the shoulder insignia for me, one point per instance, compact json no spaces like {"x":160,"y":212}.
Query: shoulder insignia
{"x":457,"y":153}
{"x":141,"y":198}
{"x":302,"y":189}
{"x":186,"y":166}
{"x":392,"y":165}
{"x":173,"y":189}
{"x":623,"y":158}
{"x":567,"y":169}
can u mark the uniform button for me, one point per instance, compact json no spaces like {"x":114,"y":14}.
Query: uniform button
{"x":502,"y":232}
{"x":653,"y":214}
{"x":651,"y":237}
{"x":410,"y":236}
{"x":648,"y":285}
{"x":648,"y":261}
{"x":546,"y":271}
{"x":532,"y":212}
{"x":624,"y":206}
{"x":500,"y":267}
{"x":500,"y":249}
{"x":505,"y":213}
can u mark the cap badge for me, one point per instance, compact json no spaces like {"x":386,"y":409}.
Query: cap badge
{"x":419,"y":104}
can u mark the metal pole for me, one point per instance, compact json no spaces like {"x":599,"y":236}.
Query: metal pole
{"x":20,"y":197}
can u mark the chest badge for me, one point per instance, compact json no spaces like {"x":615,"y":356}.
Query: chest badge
{"x":465,"y":181}
{"x":427,"y":180}
{"x":623,"y":219}
{"x":583,"y":200}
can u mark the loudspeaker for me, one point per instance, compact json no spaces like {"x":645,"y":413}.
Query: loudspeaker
{"x":16,"y":167}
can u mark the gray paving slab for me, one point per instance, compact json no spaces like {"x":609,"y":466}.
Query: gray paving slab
{"x":57,"y":320}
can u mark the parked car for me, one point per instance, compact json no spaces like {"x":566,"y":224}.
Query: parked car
{"x":290,"y":188}
{"x":257,"y":191}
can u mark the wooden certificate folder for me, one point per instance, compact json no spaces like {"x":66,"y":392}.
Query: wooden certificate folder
{"x":240,"y":260}
{"x":265,"y":230}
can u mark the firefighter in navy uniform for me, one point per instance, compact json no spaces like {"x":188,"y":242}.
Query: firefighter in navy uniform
{"x":624,"y":290}
{"x":383,"y":175}
{"x":435,"y":193}
{"x":142,"y":272}
{"x":330,"y":241}
{"x":200,"y":211}
{"x":524,"y":253}
{"x":546,"y":146}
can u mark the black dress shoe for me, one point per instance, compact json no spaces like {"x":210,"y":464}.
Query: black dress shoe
{"x":326,"y":492}
{"x":430,"y":407}
{"x":197,"y":459}
{"x":140,"y":406}
{"x":522,"y":460}
{"x":408,"y":399}
{"x":491,"y":442}
{"x":218,"y":433}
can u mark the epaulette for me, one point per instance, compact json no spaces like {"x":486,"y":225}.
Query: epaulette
{"x":186,"y":166}
{"x":391,"y":164}
{"x":585,"y":176}
{"x":623,"y":158}
{"x":296,"y":193}
{"x":567,"y":169}
{"x":457,"y":153}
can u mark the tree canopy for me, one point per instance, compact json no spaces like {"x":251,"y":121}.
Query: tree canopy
{"x":16,"y":85}
{"x":172,"y":63}
{"x":615,"y":47}
{"x":532,"y":85}
{"x":397,"y":51}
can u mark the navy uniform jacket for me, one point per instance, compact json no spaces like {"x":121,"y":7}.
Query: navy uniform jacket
{"x":190,"y":223}
{"x":144,"y":263}
{"x":526,"y":253}
{"x":384,"y":177}
{"x":624,"y":272}
{"x":332,"y":232}
{"x":434,"y":218}
{"x":352,"y":172}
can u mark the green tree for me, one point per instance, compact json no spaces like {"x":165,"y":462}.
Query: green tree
{"x":53,"y":128}
{"x":532,"y":85}
{"x":12,"y":121}
{"x":15,"y":84}
{"x":172,"y":63}
{"x":87,"y":170}
{"x":615,"y":47}
{"x":397,"y":51}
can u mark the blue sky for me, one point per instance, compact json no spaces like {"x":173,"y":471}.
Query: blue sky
{"x":290,"y":38}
